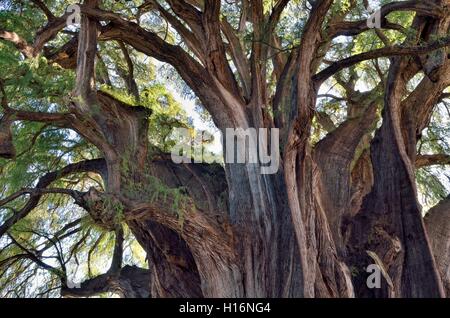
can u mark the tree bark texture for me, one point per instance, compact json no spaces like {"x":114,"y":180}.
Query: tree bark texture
{"x":233,"y":232}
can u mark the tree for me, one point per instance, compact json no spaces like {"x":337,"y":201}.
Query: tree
{"x":345,"y":195}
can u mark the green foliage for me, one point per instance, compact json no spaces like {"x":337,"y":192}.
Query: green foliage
{"x":166,"y":112}
{"x":434,"y":182}
{"x":36,"y":85}
{"x":153,"y":190}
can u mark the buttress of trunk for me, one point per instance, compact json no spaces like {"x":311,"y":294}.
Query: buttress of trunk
{"x":389,"y":209}
{"x":197,"y":245}
{"x":173,"y":270}
{"x":437,"y":222}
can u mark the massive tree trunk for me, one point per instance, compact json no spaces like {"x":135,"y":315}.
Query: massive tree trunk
{"x":308,"y":230}
{"x":390,"y":207}
{"x":283,"y":234}
{"x":390,"y":224}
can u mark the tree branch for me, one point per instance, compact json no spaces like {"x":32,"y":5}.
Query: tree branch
{"x":30,"y":255}
{"x":116,"y":263}
{"x":188,"y":13}
{"x":41,"y":5}
{"x":238,"y":55}
{"x":397,"y":50}
{"x":97,"y":166}
{"x":56,"y":119}
{"x":276,"y":14}
{"x":44,"y":35}
{"x":129,"y":282}
{"x":196,"y":45}
{"x":213,"y":96}
{"x":432,"y":160}
{"x":351,"y":28}
{"x":216,"y":59}
{"x":129,"y":77}
{"x":19,"y":43}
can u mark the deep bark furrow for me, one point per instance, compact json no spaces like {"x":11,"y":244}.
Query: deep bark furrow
{"x":390,"y":222}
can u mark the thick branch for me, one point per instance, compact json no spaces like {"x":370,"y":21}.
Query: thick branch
{"x":432,"y":160}
{"x":351,"y":28}
{"x":129,"y":282}
{"x":216,"y":61}
{"x":30,"y":255}
{"x":44,"y":35}
{"x":213,"y":95}
{"x":56,"y":119}
{"x":34,"y":192}
{"x":87,"y":48}
{"x":18,"y":42}
{"x":239,"y":58}
{"x":188,"y":13}
{"x":195,"y":42}
{"x":397,"y":50}
{"x":116,"y":263}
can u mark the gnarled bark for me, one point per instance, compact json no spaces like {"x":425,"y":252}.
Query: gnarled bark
{"x":437,"y":222}
{"x":212,"y":231}
{"x":390,"y":223}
